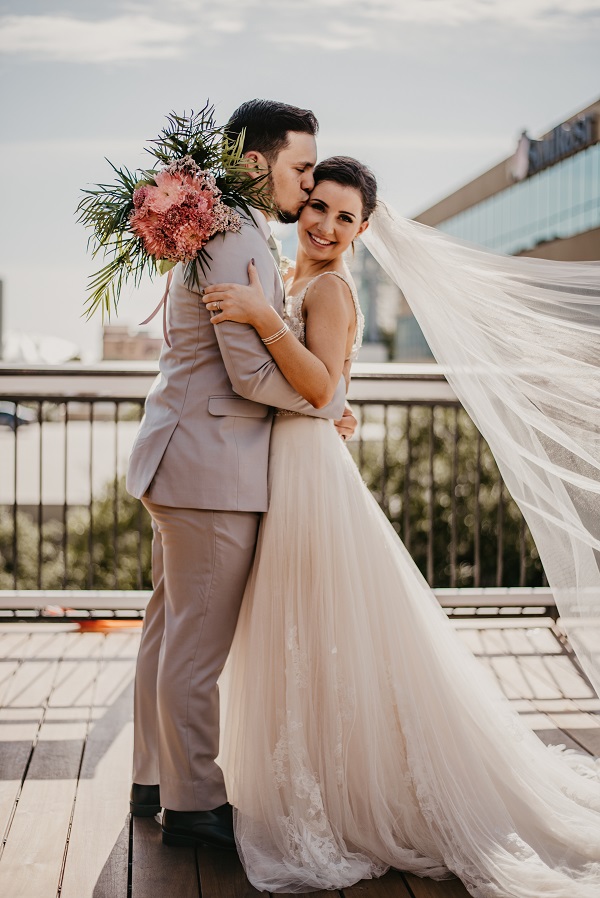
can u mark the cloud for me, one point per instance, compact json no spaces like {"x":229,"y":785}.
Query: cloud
{"x":443,"y":12}
{"x":529,"y":14}
{"x":227,"y":26}
{"x":325,"y":15}
{"x":334,"y":25}
{"x":339,"y":36}
{"x":166,"y":29}
{"x":66,"y":39}
{"x":422,"y":141}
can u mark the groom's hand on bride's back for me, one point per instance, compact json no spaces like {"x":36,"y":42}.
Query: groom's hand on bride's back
{"x":347,"y":424}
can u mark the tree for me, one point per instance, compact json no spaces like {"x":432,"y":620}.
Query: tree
{"x":385,"y":467}
{"x":109,"y":548}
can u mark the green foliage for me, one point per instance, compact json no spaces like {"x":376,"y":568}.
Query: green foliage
{"x":199,"y":137}
{"x":27,"y":552}
{"x":402,"y":489}
{"x":407,"y":502}
{"x":105,"y":209}
{"x":116,"y":561}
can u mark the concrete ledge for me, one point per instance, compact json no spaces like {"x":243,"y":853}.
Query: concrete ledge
{"x":136,"y":600}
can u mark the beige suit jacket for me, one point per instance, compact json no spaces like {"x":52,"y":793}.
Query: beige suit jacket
{"x":204,"y":439}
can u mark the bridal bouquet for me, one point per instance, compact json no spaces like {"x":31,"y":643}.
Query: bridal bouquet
{"x":148,"y":220}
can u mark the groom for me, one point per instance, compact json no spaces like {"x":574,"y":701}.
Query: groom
{"x":199,"y":464}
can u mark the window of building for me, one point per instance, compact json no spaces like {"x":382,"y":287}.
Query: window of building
{"x":560,"y":201}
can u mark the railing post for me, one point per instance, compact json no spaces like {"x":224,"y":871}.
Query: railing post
{"x":407,"y":473}
{"x":477,"y":516}
{"x":90,"y":577}
{"x":40,"y":516}
{"x":431,"y":499}
{"x":453,"y":501}
{"x":65,"y":509}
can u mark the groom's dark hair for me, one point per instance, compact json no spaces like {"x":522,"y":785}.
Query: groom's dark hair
{"x":267,"y":124}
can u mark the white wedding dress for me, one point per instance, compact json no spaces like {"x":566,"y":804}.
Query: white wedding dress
{"x":359,"y":733}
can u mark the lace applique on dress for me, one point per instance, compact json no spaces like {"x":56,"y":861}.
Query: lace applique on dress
{"x":310,"y":843}
{"x":295,"y":320}
{"x":299,"y":659}
{"x":281,"y":754}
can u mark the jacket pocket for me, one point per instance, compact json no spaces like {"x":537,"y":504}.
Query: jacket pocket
{"x":236,"y":407}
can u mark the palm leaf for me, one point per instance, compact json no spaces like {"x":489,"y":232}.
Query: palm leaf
{"x":105,"y":209}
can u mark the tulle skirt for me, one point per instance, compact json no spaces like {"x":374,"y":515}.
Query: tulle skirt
{"x":358,"y":731}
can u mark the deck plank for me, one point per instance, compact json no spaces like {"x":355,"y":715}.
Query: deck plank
{"x":33,"y":856}
{"x":17,"y":736}
{"x":33,"y":681}
{"x":159,"y":871}
{"x":55,"y":690}
{"x":12,"y":648}
{"x":392,"y":885}
{"x":536,"y":674}
{"x":97,"y":857}
{"x":582,"y":728}
{"x":431,"y":888}
{"x":222,"y":875}
{"x":24,"y":703}
{"x":329,"y":893}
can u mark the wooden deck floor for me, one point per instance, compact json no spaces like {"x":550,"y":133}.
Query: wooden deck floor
{"x":65,"y":757}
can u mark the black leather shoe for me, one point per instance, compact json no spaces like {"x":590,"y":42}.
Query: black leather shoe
{"x":191,"y":828}
{"x":144,"y":801}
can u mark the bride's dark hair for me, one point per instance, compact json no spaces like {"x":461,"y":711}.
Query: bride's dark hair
{"x":350,"y":173}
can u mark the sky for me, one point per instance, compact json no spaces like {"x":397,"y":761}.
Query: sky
{"x":429,"y":93}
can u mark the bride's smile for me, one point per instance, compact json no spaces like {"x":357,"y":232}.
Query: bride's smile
{"x":320,"y":242}
{"x":330,"y":221}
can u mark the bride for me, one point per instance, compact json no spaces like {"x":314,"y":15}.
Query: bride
{"x":360,"y":733}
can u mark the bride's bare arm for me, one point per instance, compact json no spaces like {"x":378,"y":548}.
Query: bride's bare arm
{"x":313,"y":370}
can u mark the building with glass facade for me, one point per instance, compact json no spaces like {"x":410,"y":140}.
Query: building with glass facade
{"x":543,"y":201}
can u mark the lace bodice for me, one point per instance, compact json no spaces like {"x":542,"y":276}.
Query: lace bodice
{"x":295,"y":320}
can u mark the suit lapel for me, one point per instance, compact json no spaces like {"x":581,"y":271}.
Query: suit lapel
{"x":263,"y":226}
{"x":274,"y":250}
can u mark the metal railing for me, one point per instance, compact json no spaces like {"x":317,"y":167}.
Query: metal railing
{"x":66,"y":522}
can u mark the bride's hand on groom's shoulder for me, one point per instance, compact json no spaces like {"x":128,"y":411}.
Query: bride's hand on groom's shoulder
{"x":236,"y":302}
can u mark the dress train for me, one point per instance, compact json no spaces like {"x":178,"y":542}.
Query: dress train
{"x":360,"y":733}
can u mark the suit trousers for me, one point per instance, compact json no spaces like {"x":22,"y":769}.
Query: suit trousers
{"x":200,"y":563}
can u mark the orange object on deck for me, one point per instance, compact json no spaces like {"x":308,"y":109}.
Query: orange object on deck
{"x":106,"y":626}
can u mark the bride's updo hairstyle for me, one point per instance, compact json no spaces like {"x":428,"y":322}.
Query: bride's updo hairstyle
{"x":350,"y":173}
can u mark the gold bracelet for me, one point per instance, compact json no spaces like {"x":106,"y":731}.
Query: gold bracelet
{"x":276,"y":336}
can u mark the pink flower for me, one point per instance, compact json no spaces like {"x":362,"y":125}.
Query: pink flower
{"x":176,"y":218}
{"x":168,"y":190}
{"x":189,"y":239}
{"x":139,"y":197}
{"x":204,"y":203}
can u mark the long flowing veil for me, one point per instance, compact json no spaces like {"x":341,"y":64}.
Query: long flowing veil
{"x":519,"y":342}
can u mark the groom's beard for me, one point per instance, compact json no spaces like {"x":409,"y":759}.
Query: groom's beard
{"x":287,"y":217}
{"x":282,"y":215}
